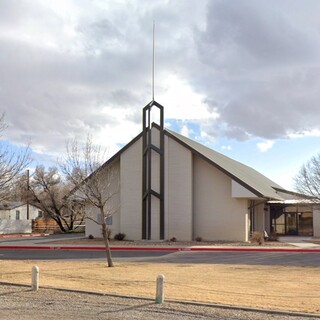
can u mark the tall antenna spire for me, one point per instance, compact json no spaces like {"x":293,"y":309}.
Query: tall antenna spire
{"x":153,"y":60}
{"x":153,"y":198}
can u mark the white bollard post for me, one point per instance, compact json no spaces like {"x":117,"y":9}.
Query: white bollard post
{"x":35,"y":278}
{"x":160,"y":289}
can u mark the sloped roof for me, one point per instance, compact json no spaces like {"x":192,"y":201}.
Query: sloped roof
{"x":11,"y":205}
{"x":244,"y":175}
{"x":14,"y":204}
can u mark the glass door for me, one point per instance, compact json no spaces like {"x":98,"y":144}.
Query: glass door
{"x":305,"y":223}
{"x":291,"y":223}
{"x":278,"y":220}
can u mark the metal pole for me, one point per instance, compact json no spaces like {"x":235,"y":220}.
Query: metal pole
{"x":153,"y":61}
{"x":28,"y":187}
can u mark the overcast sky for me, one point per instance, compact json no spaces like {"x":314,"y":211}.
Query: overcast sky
{"x":242,"y":77}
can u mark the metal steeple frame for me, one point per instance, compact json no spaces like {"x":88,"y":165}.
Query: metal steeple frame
{"x":148,"y":167}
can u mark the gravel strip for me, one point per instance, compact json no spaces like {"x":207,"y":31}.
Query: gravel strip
{"x":18,"y":302}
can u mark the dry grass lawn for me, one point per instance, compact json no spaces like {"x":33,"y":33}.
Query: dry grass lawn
{"x":274,"y":287}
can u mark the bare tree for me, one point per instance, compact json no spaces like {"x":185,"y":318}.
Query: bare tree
{"x":96,"y":184}
{"x":12,"y":164}
{"x":307,"y":181}
{"x":49,"y":192}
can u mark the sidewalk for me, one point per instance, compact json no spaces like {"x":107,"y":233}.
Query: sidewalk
{"x":42,"y":242}
{"x":24,"y":235}
{"x":300,"y":242}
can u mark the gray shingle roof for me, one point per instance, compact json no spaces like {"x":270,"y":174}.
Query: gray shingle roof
{"x":244,"y":175}
{"x":11,"y":205}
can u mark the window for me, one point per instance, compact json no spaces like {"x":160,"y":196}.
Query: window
{"x":109,"y":220}
{"x":17,"y":215}
{"x":292,"y":220}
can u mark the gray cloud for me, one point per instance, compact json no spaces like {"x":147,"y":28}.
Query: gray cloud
{"x":263,"y":66}
{"x":72,"y":70}
{"x":249,"y":34}
{"x":51,"y":94}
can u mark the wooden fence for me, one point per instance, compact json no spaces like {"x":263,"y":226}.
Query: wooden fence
{"x":45,"y":226}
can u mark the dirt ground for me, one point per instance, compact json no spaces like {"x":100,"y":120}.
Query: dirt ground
{"x":270,"y":287}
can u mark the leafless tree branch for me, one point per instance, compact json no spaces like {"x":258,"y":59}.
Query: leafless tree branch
{"x":94,"y":184}
{"x":307,"y":181}
{"x":12,"y":164}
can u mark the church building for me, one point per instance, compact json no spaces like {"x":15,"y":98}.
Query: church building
{"x":171,"y":186}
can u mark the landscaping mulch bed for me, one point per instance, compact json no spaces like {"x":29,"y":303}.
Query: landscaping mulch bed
{"x":97,"y":241}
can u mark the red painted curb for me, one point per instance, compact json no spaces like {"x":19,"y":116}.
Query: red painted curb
{"x":168,"y":249}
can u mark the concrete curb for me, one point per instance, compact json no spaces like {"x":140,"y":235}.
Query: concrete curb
{"x":213,"y":305}
{"x":164,"y":249}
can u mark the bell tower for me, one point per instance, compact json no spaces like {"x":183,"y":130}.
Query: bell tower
{"x":153,"y":174}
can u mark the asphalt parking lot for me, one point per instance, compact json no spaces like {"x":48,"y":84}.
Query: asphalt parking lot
{"x":212,"y":257}
{"x":250,"y":258}
{"x":238,"y":256}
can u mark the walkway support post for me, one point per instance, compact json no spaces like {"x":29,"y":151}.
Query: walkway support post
{"x":160,"y":289}
{"x":35,"y":278}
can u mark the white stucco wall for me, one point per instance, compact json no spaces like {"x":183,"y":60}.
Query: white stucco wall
{"x":316,"y":221}
{"x":217,"y":216}
{"x":11,"y":214}
{"x":267,"y":222}
{"x":178,"y":191}
{"x":15,"y":226}
{"x":238,"y":191}
{"x":112,"y":191}
{"x":131,"y":191}
{"x":155,"y":219}
{"x":5,"y":214}
{"x":92,"y":228}
{"x":260,"y":216}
